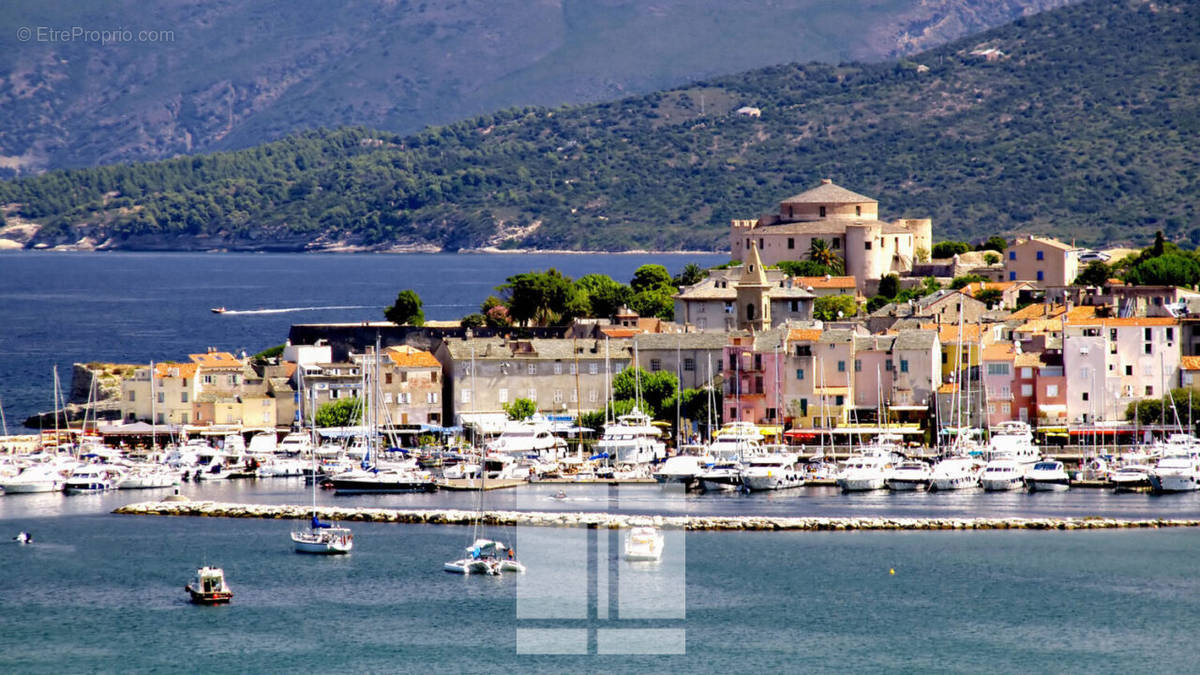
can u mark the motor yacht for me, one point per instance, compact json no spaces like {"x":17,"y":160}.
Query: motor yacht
{"x":1003,"y":474}
{"x":148,"y":476}
{"x":1130,"y":477}
{"x":43,"y":477}
{"x":861,"y":473}
{"x":682,"y":469}
{"x":908,"y":476}
{"x":644,"y":544}
{"x":530,"y":437}
{"x":1175,"y":473}
{"x":632,"y":440}
{"x":721,"y":476}
{"x":775,"y":471}
{"x":1047,"y":475}
{"x":735,"y":441}
{"x":92,"y":478}
{"x":383,"y":480}
{"x":956,"y":473}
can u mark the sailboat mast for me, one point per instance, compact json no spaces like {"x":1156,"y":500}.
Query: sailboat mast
{"x":3,"y":421}
{"x":153,"y":411}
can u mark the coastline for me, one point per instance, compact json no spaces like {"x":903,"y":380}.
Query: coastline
{"x":354,"y":250}
{"x":209,"y":509}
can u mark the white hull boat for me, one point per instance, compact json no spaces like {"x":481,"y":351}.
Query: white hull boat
{"x":1001,"y":475}
{"x":485,"y":557}
{"x":955,"y":473}
{"x":644,"y":544}
{"x":908,"y":477}
{"x":1130,"y":477}
{"x":322,"y":538}
{"x":1176,"y":473}
{"x":772,"y":472}
{"x":1048,"y":477}
{"x":863,"y":473}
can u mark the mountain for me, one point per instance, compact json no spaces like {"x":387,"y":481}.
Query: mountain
{"x":87,"y":83}
{"x":1066,"y":123}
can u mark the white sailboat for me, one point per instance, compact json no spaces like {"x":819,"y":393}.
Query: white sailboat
{"x":320,"y":537}
{"x":483,"y":556}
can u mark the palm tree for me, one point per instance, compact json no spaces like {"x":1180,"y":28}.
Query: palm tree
{"x":820,"y":253}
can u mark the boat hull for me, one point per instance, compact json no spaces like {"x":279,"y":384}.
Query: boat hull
{"x":353,"y":487}
{"x":954,"y":483}
{"x":316,"y":544}
{"x":1048,"y":484}
{"x":32,"y":487}
{"x":210,"y":598}
{"x":1173,"y":482}
{"x":906,"y":484}
{"x":764,"y":483}
{"x":1003,"y":484}
{"x":861,"y":484}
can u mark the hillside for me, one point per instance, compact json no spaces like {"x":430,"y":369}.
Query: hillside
{"x":1076,"y":129}
{"x":233,"y":73}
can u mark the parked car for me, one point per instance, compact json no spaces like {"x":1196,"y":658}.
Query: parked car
{"x":1093,"y":256}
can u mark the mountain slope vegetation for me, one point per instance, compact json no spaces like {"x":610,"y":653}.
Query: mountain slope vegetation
{"x":1065,"y":123}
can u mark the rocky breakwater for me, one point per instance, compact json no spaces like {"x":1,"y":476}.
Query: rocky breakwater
{"x":614,"y":520}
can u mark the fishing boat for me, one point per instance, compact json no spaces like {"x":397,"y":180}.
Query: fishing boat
{"x":644,"y":544}
{"x":209,"y":587}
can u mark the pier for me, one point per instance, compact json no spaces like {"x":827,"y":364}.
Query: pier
{"x":615,"y":521}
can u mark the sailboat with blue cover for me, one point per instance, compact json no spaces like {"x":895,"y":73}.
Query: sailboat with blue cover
{"x":321,"y":537}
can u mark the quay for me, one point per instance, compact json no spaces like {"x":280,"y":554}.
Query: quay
{"x":211,"y":509}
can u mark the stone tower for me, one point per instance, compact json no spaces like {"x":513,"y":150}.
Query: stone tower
{"x":753,"y":304}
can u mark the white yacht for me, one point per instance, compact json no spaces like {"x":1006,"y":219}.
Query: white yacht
{"x":1003,"y":474}
{"x":861,"y":473}
{"x":1130,"y":477}
{"x":148,"y":476}
{"x":485,"y":556}
{"x":92,"y":478}
{"x":908,"y":476}
{"x":530,"y":437}
{"x":735,"y":441}
{"x":956,"y":473}
{"x":1175,"y":473}
{"x":1048,"y":475}
{"x":632,"y":440}
{"x":295,"y":444}
{"x":721,"y":476}
{"x":644,"y":544}
{"x":323,"y":538}
{"x":382,"y":481}
{"x":43,"y":477}
{"x":776,"y":471}
{"x":683,"y":468}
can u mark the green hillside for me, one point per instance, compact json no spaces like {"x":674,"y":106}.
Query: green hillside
{"x":1085,"y":127}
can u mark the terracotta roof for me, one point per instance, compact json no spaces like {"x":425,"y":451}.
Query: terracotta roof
{"x":1036,"y":311}
{"x":1141,"y":321}
{"x":184,"y":369}
{"x":978,"y":286}
{"x":1189,"y":362}
{"x":828,"y":193}
{"x":1028,"y":359}
{"x":216,"y":360}
{"x":822,"y":282}
{"x":1044,"y":240}
{"x":410,"y":357}
{"x":289,"y":369}
{"x":620,"y":331}
{"x":1001,"y":351}
{"x":804,"y":335}
{"x":1037,"y":326}
{"x":949,"y":332}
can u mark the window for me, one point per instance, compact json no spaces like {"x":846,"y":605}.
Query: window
{"x":387,"y":378}
{"x":1006,"y":408}
{"x":991,"y":408}
{"x":1026,"y":373}
{"x":466,"y":395}
{"x":431,"y":397}
{"x":1005,"y":391}
{"x":1147,"y":334}
{"x":1084,"y":396}
{"x":758,"y":361}
{"x":208,"y":379}
{"x":1012,"y":255}
{"x":689,"y":365}
{"x":572,"y":369}
{"x":760,"y":243}
{"x":997,"y":369}
{"x":404,"y":397}
{"x":1041,"y":255}
{"x":574,"y":396}
{"x":404,"y":376}
{"x":1052,"y":390}
{"x":841,"y":366}
{"x":945,"y":358}
{"x":904,"y":365}
{"x":558,"y":367}
{"x":840,"y":400}
{"x":532,"y":369}
{"x":887,"y":365}
{"x":132,"y":396}
{"x":1147,"y":369}
{"x":866,"y":246}
{"x":791,"y":243}
{"x":799,"y":373}
{"x":183,"y":418}
{"x":1041,"y":276}
{"x":858,"y":210}
{"x":592,"y":396}
{"x":183,"y":397}
{"x":858,"y":365}
{"x":750,"y":311}
{"x":1012,"y":276}
{"x":770,"y":413}
{"x":655,"y":365}
{"x":794,"y":306}
{"x":821,"y":211}
{"x":593,"y":368}
{"x":532,"y":394}
{"x":729,"y":308}
{"x":162,"y":397}
{"x":1170,"y":333}
{"x":1128,"y":370}
{"x":1027,"y":390}
{"x":558,"y":397}
{"x":502,"y":395}
{"x":1148,"y":348}
{"x":387,"y":397}
{"x":837,"y":243}
{"x":1149,"y":390}
{"x":733,"y":413}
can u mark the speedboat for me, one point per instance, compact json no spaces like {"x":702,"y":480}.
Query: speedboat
{"x":1175,"y":473}
{"x":1003,"y":474}
{"x":1130,"y":477}
{"x":681,"y":469}
{"x":37,"y":478}
{"x":91,"y":478}
{"x":908,"y":476}
{"x":722,"y":476}
{"x":209,"y":587}
{"x":148,"y":477}
{"x":775,"y":471}
{"x":644,"y":543}
{"x":955,"y":473}
{"x":485,"y":556}
{"x":322,"y":537}
{"x":217,"y":310}
{"x":1047,"y":475}
{"x":367,"y":481}
{"x":861,"y":473}
{"x":23,"y":538}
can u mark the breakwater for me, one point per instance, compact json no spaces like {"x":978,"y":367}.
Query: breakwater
{"x":614,"y":521}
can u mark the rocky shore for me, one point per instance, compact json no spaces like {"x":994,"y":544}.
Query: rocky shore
{"x":615,"y":521}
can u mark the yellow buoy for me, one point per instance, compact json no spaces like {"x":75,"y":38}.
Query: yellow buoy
{"x":892,"y":571}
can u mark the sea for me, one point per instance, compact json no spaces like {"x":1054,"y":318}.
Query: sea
{"x":98,"y":592}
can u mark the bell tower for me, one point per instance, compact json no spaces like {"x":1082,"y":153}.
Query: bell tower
{"x":753,"y":305}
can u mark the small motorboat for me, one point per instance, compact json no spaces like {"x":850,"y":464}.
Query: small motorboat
{"x":644,"y":544}
{"x":1047,"y":475}
{"x":560,"y":495}
{"x":23,"y":538}
{"x":217,"y":310}
{"x":209,"y":587}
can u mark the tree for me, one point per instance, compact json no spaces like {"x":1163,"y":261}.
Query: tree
{"x":961,"y":282}
{"x":596,"y":418}
{"x":990,"y":296}
{"x":266,"y":355}
{"x":1095,"y":274}
{"x":690,"y":274}
{"x":949,"y":249}
{"x":543,"y":297}
{"x":876,"y":302}
{"x":604,"y":294}
{"x":340,"y":413}
{"x":406,"y":310}
{"x":991,"y":258}
{"x":656,"y":303}
{"x":805,"y":268}
{"x":497,"y":317}
{"x":921,"y":254}
{"x":820,"y":253}
{"x":650,"y":277}
{"x":475,"y":320}
{"x":828,"y":307}
{"x":993,"y":243}
{"x":1170,"y":269}
{"x":658,"y":389}
{"x":889,"y":285}
{"x":1159,"y":244}
{"x":520,"y":409}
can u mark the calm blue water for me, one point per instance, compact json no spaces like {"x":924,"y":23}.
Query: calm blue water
{"x":99,"y":592}
{"x":62,"y":308}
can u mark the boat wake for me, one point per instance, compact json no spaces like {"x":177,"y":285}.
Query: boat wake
{"x":284,"y":310}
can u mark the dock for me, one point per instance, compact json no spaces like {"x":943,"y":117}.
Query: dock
{"x":208,"y":509}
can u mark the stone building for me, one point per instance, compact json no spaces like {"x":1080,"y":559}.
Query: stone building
{"x":847,"y":221}
{"x":744,"y":297}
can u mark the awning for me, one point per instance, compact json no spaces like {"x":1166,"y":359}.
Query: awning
{"x":874,"y":430}
{"x":831,"y":391}
{"x":909,"y":408}
{"x":1057,"y":409}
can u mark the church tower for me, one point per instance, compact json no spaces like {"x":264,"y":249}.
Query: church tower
{"x":753,"y":305}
